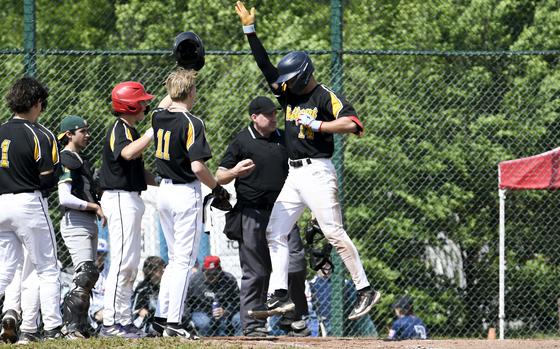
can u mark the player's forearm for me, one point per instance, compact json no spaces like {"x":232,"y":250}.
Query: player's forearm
{"x":340,"y":125}
{"x":225,"y":176}
{"x":68,"y":200}
{"x":135,"y":149}
{"x":202,"y":172}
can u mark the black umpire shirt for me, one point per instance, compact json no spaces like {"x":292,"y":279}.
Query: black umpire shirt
{"x":179,"y":139}
{"x":117,"y":173}
{"x":261,"y":187}
{"x":22,"y":158}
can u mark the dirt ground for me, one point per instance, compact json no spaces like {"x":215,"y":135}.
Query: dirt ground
{"x":355,"y":343}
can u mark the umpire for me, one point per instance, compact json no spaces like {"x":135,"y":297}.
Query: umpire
{"x":257,"y":158}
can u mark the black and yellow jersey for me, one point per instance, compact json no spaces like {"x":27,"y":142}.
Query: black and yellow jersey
{"x":22,"y":157}
{"x":321,"y":104}
{"x":117,"y":173}
{"x":49,"y":146}
{"x":179,"y":139}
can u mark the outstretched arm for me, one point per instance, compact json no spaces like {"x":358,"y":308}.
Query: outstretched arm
{"x":259,"y":52}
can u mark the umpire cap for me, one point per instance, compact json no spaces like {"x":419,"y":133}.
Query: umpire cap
{"x":188,"y":51}
{"x":261,"y":105}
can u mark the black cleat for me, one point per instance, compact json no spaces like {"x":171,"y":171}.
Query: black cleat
{"x":179,"y":332}
{"x":10,"y":323}
{"x":366,"y":300}
{"x":274,"y":306}
{"x":55,"y":333}
{"x":256,"y":332}
{"x":28,"y":337}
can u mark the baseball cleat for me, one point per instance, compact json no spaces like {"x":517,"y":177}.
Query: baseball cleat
{"x":179,"y":332}
{"x":55,"y":333}
{"x":257,"y":332}
{"x":274,"y":306}
{"x":10,"y":321}
{"x":28,"y":337}
{"x":366,"y":300}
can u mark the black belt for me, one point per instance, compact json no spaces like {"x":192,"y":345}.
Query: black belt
{"x":299,"y":163}
{"x":267,"y":207}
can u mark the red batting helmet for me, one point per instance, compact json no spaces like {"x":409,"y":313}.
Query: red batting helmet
{"x":126,"y":97}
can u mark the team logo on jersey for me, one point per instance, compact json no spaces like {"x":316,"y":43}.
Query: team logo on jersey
{"x":305,"y":132}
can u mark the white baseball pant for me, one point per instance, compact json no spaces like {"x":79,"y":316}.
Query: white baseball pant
{"x":24,"y":221}
{"x":315,"y":186}
{"x":180,"y":214}
{"x":124,"y":212}
{"x":22,"y":295}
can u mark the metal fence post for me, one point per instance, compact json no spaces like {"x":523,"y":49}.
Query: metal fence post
{"x":337,"y":315}
{"x":29,"y":37}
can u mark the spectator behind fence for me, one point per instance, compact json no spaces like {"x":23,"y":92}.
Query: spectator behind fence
{"x":214,"y":300}
{"x":321,"y":293}
{"x":145,"y":296}
{"x":407,"y":325}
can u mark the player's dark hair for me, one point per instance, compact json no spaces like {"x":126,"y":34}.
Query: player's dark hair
{"x":25,"y":93}
{"x":65,"y":140}
{"x":151,"y":264}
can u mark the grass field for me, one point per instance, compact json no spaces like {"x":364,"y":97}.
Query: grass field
{"x":286,"y":342}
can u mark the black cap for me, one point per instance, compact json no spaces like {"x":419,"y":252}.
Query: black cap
{"x":404,"y":303}
{"x":261,"y":105}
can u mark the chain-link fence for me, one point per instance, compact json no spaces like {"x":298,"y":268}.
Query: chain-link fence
{"x":419,"y":188}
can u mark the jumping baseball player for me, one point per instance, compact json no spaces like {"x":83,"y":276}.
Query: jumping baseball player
{"x":181,"y":151}
{"x":122,"y":179}
{"x":79,"y":204}
{"x":25,"y":169}
{"x":313,"y":114}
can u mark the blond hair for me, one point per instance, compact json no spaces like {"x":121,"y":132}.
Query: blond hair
{"x":180,"y":83}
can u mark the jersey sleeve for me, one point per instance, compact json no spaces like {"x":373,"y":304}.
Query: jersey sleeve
{"x":121,"y":136}
{"x":232,"y":155}
{"x":336,"y":106}
{"x":196,"y":143}
{"x":46,"y":162}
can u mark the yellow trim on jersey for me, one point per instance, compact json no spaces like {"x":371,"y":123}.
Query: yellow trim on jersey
{"x":112,"y":138}
{"x":37,"y":146}
{"x":336,"y":104}
{"x":54,"y":152}
{"x":128,"y":134}
{"x":190,"y":135}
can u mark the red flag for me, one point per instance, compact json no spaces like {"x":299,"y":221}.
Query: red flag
{"x":534,"y":172}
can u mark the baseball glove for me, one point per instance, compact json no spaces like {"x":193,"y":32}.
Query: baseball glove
{"x":221,"y":198}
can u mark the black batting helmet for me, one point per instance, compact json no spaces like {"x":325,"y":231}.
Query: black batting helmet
{"x":188,"y":50}
{"x":296,"y":65}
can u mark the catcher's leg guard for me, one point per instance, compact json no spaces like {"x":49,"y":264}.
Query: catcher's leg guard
{"x":76,"y":303}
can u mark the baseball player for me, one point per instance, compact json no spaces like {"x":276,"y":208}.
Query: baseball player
{"x":313,"y":114}
{"x":22,"y":306}
{"x":181,"y":151}
{"x":25,"y":168}
{"x":122,"y":179}
{"x":79,"y":204}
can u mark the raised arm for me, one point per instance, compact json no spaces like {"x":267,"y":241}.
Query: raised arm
{"x":259,"y":52}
